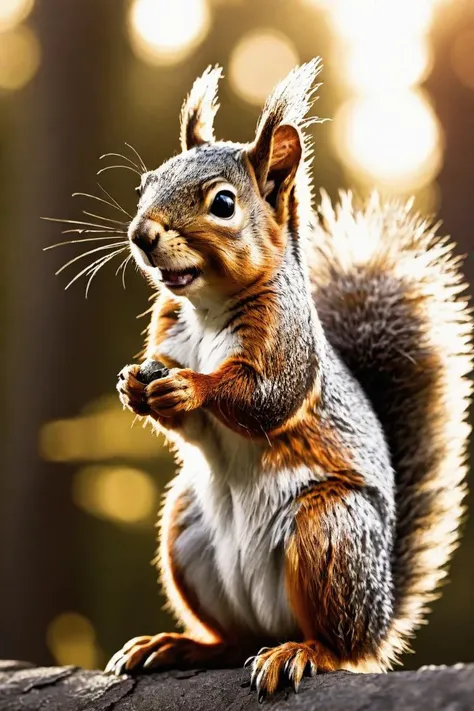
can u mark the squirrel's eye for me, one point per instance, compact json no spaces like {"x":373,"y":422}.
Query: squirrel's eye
{"x":138,"y":190}
{"x":223,"y":205}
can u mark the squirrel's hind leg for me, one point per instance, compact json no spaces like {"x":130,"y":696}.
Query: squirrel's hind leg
{"x":204,"y":643}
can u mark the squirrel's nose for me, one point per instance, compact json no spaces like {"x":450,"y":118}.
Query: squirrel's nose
{"x":146,"y":236}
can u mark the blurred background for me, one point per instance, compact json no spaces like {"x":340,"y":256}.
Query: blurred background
{"x":79,"y":487}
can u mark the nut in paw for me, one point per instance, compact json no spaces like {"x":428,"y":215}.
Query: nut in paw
{"x":132,"y":391}
{"x":179,"y":392}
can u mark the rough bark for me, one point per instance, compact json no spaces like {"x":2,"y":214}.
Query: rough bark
{"x":24,"y":687}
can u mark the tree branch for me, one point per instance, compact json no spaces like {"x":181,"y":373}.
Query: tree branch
{"x":24,"y":687}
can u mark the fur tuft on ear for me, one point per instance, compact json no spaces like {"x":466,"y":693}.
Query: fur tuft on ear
{"x":199,"y":110}
{"x":292,"y":98}
{"x":280,"y":142}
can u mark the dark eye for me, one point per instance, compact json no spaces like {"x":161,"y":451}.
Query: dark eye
{"x":223,"y":205}
{"x":138,"y":190}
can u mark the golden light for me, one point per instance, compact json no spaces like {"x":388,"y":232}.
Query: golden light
{"x":393,"y":140}
{"x":319,"y":4}
{"x":120,"y":494}
{"x":104,"y":431}
{"x":462,"y":57}
{"x":19,"y":57}
{"x":71,"y":639}
{"x":427,"y":200}
{"x":382,"y":63}
{"x":364,"y":18}
{"x":166,"y":31}
{"x":12,"y":12}
{"x":259,"y":61}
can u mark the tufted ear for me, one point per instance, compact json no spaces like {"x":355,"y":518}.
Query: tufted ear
{"x":199,"y":110}
{"x":280,"y":146}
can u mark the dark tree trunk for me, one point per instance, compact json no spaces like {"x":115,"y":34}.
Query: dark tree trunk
{"x":46,"y":336}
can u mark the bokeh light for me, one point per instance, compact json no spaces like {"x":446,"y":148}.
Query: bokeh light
{"x":71,"y":639}
{"x":104,"y":431}
{"x":365,"y":17}
{"x":19,"y":57}
{"x":462,"y":57}
{"x":12,"y":12}
{"x":391,"y":139}
{"x":386,"y":134}
{"x":259,"y":61}
{"x":166,"y":31}
{"x":121,"y":494}
{"x":385,"y":63}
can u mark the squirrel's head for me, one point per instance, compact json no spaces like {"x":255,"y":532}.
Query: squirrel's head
{"x":219,"y":215}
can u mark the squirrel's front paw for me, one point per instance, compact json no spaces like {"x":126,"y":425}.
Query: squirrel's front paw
{"x":180,"y":391}
{"x":132,"y":392}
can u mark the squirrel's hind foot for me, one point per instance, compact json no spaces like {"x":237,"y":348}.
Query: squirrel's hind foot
{"x":162,"y":651}
{"x":287,"y":664}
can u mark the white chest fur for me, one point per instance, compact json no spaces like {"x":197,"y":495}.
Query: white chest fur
{"x":232,"y":553}
{"x":200,"y":341}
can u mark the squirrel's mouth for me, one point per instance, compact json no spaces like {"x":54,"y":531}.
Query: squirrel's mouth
{"x":176,"y":279}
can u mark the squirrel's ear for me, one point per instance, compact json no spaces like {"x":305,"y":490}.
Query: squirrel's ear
{"x":199,"y":110}
{"x":280,"y":144}
{"x":275,"y":157}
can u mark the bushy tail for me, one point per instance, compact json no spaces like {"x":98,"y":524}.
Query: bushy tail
{"x":390,"y":296}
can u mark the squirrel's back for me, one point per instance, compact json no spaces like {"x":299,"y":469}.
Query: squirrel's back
{"x":389,"y":294}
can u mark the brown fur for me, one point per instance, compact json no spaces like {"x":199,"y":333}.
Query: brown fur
{"x":165,"y":314}
{"x":317,"y":578}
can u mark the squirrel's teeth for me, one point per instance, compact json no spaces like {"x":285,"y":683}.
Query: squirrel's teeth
{"x":171,"y":278}
{"x":181,"y":279}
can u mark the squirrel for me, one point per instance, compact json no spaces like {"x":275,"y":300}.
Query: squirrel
{"x":311,"y":371}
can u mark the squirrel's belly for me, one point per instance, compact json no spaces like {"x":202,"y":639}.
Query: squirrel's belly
{"x":231,"y":555}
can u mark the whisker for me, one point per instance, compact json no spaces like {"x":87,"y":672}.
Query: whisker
{"x":125,"y":167}
{"x":77,"y":222}
{"x":98,"y":268}
{"x":124,"y":270}
{"x":123,"y":266}
{"x":106,"y":219}
{"x":105,"y":231}
{"x":86,"y":270}
{"x":99,"y":199}
{"x":120,"y":266}
{"x":138,"y":156}
{"x":86,"y":254}
{"x":119,"y":207}
{"x":119,"y":155}
{"x":78,"y":241}
{"x":90,"y":266}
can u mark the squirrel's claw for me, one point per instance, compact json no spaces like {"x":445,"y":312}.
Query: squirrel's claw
{"x":280,"y":666}
{"x":116,"y":664}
